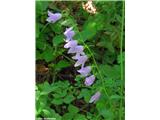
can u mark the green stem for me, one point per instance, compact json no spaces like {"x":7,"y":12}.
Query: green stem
{"x":85,"y":45}
{"x":121,"y":56}
{"x":44,"y":28}
{"x":68,"y":58}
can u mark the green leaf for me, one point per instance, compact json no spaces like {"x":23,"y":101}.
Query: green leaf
{"x":86,"y":94}
{"x":40,"y":45}
{"x":55,"y":115}
{"x":117,"y":97}
{"x":113,"y":72}
{"x":79,"y":117}
{"x":58,"y":40}
{"x":62,"y":64}
{"x":37,"y":30}
{"x":60,"y":94}
{"x":41,"y":6}
{"x":106,"y":43}
{"x":46,"y":112}
{"x":38,"y":55}
{"x":102,"y":109}
{"x":73,"y":109}
{"x":68,"y":99}
{"x":57,"y":28}
{"x":48,"y":54}
{"x":89,"y":31}
{"x":57,"y":101}
{"x":67,"y":116}
{"x":46,"y":88}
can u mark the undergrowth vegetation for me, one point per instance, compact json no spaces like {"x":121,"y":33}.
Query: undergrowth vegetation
{"x":61,"y":92}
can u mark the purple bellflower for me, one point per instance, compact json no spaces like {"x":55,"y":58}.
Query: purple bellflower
{"x":71,"y":44}
{"x":69,"y":33}
{"x":53,"y":17}
{"x":81,"y":61}
{"x":81,"y":58}
{"x":76,"y":49}
{"x":84,"y":71}
{"x":89,"y":80}
{"x":76,"y":57}
{"x":95,"y":97}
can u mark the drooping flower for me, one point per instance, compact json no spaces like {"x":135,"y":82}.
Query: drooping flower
{"x":84,"y":71}
{"x":76,"y":49}
{"x":53,"y":17}
{"x":71,"y":44}
{"x":95,"y":97}
{"x":76,"y":57}
{"x":69,"y":33}
{"x":81,"y":61}
{"x":89,"y":80}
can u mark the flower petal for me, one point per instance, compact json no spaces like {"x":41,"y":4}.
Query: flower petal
{"x":69,"y":33}
{"x":81,"y":60}
{"x":84,"y":71}
{"x":95,"y":97}
{"x":89,"y":80}
{"x":71,"y":44}
{"x":53,"y":17}
{"x":77,"y":49}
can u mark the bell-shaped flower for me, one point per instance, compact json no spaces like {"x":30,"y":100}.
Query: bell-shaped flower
{"x":95,"y":97}
{"x":84,"y":71}
{"x":71,"y":44}
{"x":76,"y":49}
{"x":78,"y":55}
{"x":69,"y":33}
{"x":81,"y":61}
{"x":53,"y":17}
{"x":89,"y":80}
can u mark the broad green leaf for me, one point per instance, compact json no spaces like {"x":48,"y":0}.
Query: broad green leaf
{"x":46,"y":112}
{"x":79,"y":117}
{"x":67,"y":116}
{"x":68,"y":99}
{"x":41,"y":6}
{"x":106,"y":43}
{"x":58,"y":40}
{"x":57,"y":101}
{"x":73,"y":109}
{"x":57,"y":28}
{"x":86,"y":94}
{"x":46,"y":88}
{"x":88,"y":33}
{"x":40,"y":45}
{"x":48,"y":55}
{"x":62,"y":64}
{"x":103,"y":110}
{"x":111,"y":72}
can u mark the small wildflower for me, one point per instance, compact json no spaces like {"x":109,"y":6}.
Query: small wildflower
{"x":76,"y":57}
{"x":71,"y":44}
{"x":69,"y":33}
{"x":53,"y":17}
{"x":84,"y":71}
{"x":89,"y":80}
{"x":77,"y":49}
{"x":95,"y":97}
{"x":81,"y":61}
